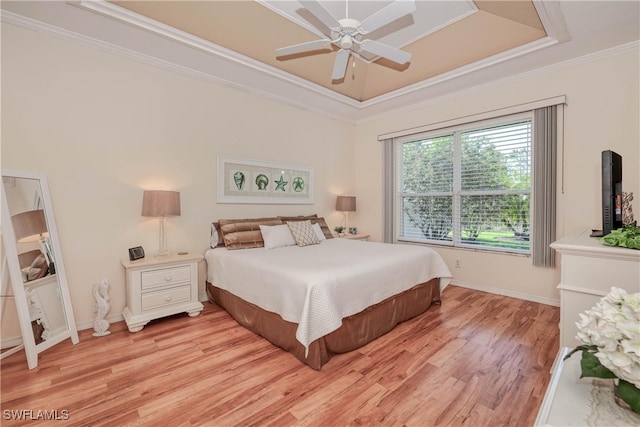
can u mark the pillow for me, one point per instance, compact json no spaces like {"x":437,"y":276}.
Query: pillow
{"x":318,"y":230}
{"x":276,"y":236}
{"x":36,"y":270}
{"x":244,"y":233}
{"x":314,"y":219}
{"x":216,"y":236}
{"x":303,"y":233}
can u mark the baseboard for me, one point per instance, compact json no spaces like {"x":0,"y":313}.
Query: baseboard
{"x":118,"y":318}
{"x":507,"y":293}
{"x":10,"y":342}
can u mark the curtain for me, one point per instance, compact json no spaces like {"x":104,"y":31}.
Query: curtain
{"x":545,"y":155}
{"x":388,"y":196}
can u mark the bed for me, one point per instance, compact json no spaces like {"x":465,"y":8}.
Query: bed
{"x":317,"y":299}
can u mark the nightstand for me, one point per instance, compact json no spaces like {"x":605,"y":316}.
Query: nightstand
{"x":356,"y":236}
{"x":159,"y":286}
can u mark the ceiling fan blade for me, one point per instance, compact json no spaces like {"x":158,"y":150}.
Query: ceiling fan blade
{"x":388,"y":14}
{"x":303,"y":47}
{"x":389,"y":52}
{"x":320,"y":12}
{"x":340,"y":66}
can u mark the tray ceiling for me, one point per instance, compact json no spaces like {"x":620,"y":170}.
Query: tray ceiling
{"x":441,"y":36}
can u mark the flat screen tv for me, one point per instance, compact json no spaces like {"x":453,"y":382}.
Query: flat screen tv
{"x":611,"y":193}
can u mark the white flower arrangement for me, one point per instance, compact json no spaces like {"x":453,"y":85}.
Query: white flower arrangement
{"x":610,"y":333}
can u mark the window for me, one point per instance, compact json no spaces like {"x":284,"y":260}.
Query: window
{"x":467,"y":186}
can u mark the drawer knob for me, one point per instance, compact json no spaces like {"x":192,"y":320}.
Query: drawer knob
{"x":168,"y":298}
{"x":167,"y":277}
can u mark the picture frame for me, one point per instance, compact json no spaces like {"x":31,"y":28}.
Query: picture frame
{"x":136,"y":253}
{"x":244,"y":180}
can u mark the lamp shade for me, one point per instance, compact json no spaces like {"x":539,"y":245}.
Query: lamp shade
{"x":159,"y":203}
{"x":29,"y":226}
{"x":346,"y":203}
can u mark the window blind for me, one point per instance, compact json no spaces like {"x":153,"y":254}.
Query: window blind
{"x":467,"y":186}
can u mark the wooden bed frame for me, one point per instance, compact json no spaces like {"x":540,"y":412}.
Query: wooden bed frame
{"x":355,"y":332}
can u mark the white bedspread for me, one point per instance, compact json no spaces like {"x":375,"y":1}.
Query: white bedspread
{"x":317,"y":286}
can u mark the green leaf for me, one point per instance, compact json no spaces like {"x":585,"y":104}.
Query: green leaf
{"x":591,"y":367}
{"x":626,"y":237}
{"x":630,"y":394}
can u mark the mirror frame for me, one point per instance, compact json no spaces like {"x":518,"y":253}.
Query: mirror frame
{"x":11,"y":254}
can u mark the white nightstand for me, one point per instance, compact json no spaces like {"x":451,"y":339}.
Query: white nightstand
{"x":159,"y":286}
{"x":356,"y":236}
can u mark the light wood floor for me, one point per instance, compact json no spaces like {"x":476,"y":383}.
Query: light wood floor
{"x":476,"y":360}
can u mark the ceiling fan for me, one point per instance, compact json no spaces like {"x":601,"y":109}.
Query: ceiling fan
{"x":347,"y":34}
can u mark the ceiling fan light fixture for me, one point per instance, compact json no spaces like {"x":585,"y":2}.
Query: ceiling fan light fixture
{"x":346,"y":32}
{"x":349,"y":25}
{"x":346,"y":42}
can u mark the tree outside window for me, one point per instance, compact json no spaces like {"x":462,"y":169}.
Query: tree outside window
{"x":468,"y":187}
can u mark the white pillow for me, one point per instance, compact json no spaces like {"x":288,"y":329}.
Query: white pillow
{"x":303,"y":233}
{"x":318,"y":230}
{"x":214,"y":237}
{"x":276,"y":236}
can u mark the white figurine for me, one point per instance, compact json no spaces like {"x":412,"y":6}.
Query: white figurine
{"x":101,"y":307}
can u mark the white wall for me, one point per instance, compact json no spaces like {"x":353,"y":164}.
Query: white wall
{"x":103,"y":128}
{"x":602,"y":113}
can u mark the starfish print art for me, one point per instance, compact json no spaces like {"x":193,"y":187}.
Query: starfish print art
{"x":280,"y":183}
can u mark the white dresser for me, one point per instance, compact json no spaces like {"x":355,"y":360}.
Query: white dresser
{"x":160,"y":286}
{"x":588,"y":271}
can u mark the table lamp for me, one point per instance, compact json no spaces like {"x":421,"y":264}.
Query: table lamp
{"x":346,"y":204}
{"x":162,"y":204}
{"x":31,"y":226}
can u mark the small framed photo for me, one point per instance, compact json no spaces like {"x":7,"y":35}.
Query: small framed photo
{"x":353,"y":230}
{"x":136,"y":253}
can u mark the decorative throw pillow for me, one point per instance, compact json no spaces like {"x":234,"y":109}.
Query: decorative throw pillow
{"x":318,"y":230}
{"x":303,"y":233}
{"x":315,"y":219}
{"x":276,"y":236}
{"x":244,"y":233}
{"x":36,"y":270}
{"x":215,"y":236}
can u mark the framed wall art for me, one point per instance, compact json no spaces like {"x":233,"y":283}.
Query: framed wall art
{"x":242,"y":180}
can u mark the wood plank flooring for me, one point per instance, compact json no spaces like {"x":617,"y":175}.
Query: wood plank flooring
{"x":476,"y":360}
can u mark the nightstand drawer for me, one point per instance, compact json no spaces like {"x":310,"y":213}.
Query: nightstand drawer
{"x":155,"y":299}
{"x":165,"y":276}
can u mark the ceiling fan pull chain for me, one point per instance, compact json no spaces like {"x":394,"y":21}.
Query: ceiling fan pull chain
{"x":353,"y":68}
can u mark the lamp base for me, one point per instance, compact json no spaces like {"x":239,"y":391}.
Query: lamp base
{"x":162,"y":251}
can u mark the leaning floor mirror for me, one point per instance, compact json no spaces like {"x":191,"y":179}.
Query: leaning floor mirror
{"x":32,"y":262}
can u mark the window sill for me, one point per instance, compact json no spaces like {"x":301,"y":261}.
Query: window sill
{"x":447,"y":245}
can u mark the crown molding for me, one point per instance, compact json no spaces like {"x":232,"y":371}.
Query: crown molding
{"x":538,"y":72}
{"x":124,"y":15}
{"x":320,"y":105}
{"x":138,"y":38}
{"x":116,"y":12}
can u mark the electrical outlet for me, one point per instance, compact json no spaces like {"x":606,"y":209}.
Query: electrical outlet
{"x":458,"y":263}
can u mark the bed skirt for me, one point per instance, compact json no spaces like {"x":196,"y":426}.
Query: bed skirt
{"x":355,"y":332}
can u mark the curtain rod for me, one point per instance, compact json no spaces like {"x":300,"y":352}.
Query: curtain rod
{"x":541,"y":103}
